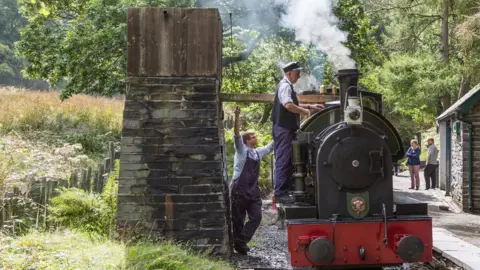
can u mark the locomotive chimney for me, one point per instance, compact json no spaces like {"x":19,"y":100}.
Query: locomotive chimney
{"x":347,"y":78}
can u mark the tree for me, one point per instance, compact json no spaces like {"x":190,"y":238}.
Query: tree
{"x":10,"y":64}
{"x":434,"y":31}
{"x":80,"y":43}
{"x":83,"y":43}
{"x":468,"y":34}
{"x":412,"y":85}
{"x":364,"y":39}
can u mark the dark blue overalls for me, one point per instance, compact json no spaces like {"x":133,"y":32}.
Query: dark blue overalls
{"x":246,"y":199}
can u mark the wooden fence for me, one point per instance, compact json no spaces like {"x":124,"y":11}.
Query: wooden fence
{"x":91,"y":179}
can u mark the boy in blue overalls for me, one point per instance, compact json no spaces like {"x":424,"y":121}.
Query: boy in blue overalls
{"x":245,"y":193}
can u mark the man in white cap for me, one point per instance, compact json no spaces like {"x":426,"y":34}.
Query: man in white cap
{"x":286,"y":121}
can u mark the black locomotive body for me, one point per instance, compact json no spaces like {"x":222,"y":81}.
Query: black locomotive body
{"x":344,"y":212}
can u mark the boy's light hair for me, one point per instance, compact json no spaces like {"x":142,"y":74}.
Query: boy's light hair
{"x":246,"y":135}
{"x":414,"y":141}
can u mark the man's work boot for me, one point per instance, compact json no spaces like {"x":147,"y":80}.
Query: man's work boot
{"x":242,"y":249}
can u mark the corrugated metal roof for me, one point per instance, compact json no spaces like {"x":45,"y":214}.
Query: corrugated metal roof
{"x":459,"y":103}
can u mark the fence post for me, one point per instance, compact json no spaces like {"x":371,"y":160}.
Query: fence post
{"x":96,"y":179}
{"x":89,"y":179}
{"x":101,"y":172}
{"x":63,"y":183}
{"x":111,"y":151}
{"x":75,"y":179}
{"x":107,"y":165}
{"x":48,"y":193}
{"x":84,"y":183}
{"x":117,"y":156}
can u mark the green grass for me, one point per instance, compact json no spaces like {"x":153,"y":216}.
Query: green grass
{"x":66,"y":250}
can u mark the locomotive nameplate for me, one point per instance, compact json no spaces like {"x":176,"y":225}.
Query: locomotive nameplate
{"x":357,"y":204}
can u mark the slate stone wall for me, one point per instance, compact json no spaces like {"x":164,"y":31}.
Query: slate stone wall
{"x":457,"y":157}
{"x":460,"y":163}
{"x":173,"y":174}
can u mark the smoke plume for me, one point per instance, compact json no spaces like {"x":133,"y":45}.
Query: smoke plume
{"x":314,"y":23}
{"x":307,"y":82}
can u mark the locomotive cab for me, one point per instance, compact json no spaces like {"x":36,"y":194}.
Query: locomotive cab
{"x":344,"y":213}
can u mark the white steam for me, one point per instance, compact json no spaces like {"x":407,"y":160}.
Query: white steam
{"x":314,"y":23}
{"x":307,"y":82}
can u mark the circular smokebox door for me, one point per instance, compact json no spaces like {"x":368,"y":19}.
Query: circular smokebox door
{"x":356,"y":161}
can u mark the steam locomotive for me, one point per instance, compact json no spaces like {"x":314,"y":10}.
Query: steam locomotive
{"x":344,"y":213}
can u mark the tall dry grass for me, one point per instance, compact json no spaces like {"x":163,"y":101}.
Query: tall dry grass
{"x":80,"y":119}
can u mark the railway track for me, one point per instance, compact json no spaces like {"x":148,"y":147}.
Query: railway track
{"x":270,"y":250}
{"x":438,"y":263}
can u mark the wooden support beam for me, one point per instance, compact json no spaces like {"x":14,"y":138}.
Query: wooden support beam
{"x":268,"y":98}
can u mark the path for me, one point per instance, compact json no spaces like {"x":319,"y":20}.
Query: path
{"x":465,"y":226}
{"x":455,"y":234}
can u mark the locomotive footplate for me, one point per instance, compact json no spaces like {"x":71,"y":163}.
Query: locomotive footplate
{"x":300,"y":211}
{"x":337,"y":242}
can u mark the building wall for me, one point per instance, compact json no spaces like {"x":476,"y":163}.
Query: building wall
{"x":474,"y":117}
{"x":457,"y":158}
{"x":459,"y":186}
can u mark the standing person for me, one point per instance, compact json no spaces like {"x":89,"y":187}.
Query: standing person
{"x":245,"y":193}
{"x":413,"y":162}
{"x":286,"y":121}
{"x":431,"y":165}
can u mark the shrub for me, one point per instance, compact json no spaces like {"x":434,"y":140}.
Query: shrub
{"x":80,"y":210}
{"x":110,"y":196}
{"x":88,"y":212}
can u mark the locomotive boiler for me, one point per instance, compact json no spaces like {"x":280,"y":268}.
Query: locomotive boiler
{"x":344,"y":213}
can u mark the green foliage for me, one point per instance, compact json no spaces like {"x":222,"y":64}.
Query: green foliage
{"x":10,"y":22}
{"x":412,"y":85}
{"x":80,"y":210}
{"x":11,"y":64}
{"x":81,"y":43}
{"x":261,"y":71}
{"x":6,"y":59}
{"x":110,"y":196}
{"x":88,"y":212}
{"x":362,"y":39}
